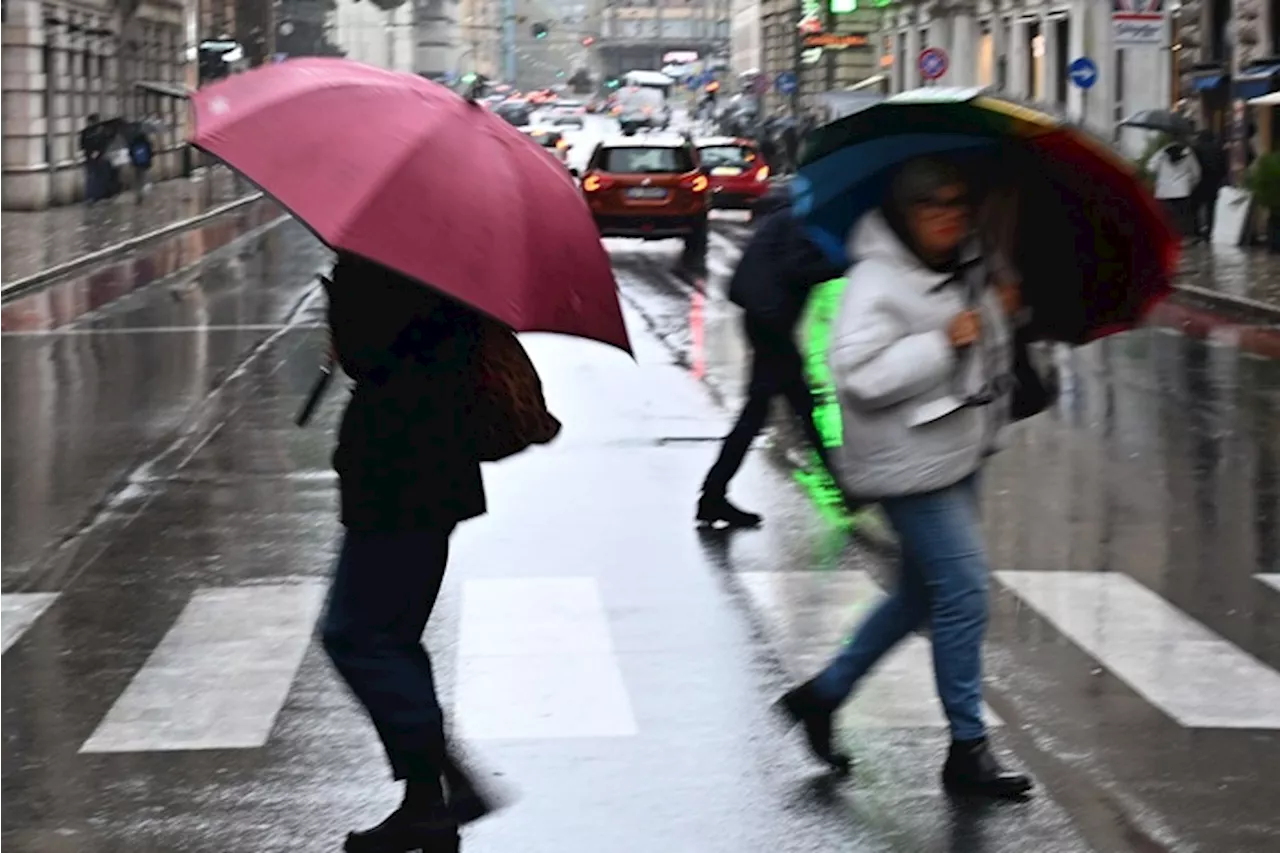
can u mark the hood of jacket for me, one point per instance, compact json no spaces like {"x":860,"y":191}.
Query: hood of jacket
{"x":873,"y":240}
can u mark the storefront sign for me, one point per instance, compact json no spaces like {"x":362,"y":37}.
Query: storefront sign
{"x":1138,"y":22}
{"x":836,"y":42}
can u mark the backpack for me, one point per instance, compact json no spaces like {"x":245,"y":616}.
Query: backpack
{"x":140,"y":152}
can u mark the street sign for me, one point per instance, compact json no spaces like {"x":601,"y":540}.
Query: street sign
{"x":785,"y":82}
{"x":1083,"y":72}
{"x":932,"y":63}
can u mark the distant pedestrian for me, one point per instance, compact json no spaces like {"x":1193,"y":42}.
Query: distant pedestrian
{"x":141,"y":154}
{"x":1177,"y":174}
{"x":1212,"y":156}
{"x":920,"y":357}
{"x":408,"y":475}
{"x":778,"y":269}
{"x":93,"y":145}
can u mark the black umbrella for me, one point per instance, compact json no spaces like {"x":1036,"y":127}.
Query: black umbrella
{"x":1163,"y":121}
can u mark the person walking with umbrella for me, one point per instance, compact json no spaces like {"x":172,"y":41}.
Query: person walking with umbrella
{"x":1177,"y":173}
{"x":771,"y":283}
{"x":408,"y":475}
{"x":920,"y":355}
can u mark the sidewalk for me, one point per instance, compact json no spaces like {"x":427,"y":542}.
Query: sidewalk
{"x":1234,"y":271}
{"x":31,"y":241}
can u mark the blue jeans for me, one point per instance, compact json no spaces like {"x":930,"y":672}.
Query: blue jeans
{"x":942,"y":581}
{"x":384,"y":589}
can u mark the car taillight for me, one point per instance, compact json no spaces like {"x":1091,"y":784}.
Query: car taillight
{"x":592,"y":183}
{"x":763,"y":174}
{"x":698,"y":183}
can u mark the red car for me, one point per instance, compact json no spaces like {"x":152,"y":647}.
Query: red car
{"x":649,"y":187}
{"x":739,"y":175}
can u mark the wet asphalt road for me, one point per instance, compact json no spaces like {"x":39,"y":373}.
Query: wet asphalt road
{"x":167,"y":535}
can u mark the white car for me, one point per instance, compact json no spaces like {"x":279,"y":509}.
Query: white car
{"x":568,"y":114}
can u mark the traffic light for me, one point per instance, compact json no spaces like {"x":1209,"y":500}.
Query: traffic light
{"x":539,"y":31}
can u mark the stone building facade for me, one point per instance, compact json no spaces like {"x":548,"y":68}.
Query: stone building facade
{"x":64,"y":60}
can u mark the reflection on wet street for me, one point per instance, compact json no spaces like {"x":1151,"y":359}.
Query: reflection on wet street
{"x":168,"y":534}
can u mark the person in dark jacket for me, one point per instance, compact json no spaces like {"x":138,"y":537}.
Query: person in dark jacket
{"x":778,"y":269}
{"x":408,"y":475}
{"x":94,"y":139}
{"x":1214,"y":169}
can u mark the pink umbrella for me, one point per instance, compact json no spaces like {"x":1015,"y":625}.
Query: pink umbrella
{"x":406,"y":173}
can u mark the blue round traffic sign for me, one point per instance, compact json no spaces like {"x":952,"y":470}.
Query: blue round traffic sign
{"x":932,"y":63}
{"x":1083,"y":72}
{"x":785,"y":82}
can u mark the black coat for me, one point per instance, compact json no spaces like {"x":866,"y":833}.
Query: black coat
{"x":778,"y":269}
{"x":405,"y":458}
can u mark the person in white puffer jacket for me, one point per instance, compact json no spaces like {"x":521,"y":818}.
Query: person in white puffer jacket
{"x":921,"y":356}
{"x":1177,"y":172}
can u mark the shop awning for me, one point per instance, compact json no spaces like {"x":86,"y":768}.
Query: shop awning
{"x":1206,"y":82}
{"x":1256,"y":81}
{"x":170,"y":90}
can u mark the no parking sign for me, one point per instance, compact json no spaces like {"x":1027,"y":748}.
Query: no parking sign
{"x":932,"y":63}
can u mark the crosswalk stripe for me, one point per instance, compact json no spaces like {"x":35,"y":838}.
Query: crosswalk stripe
{"x":219,"y":676}
{"x":808,"y":614}
{"x":1271,"y":580}
{"x":1190,"y":673}
{"x":19,"y":611}
{"x":536,"y":660}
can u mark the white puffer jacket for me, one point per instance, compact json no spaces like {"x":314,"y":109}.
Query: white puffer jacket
{"x":900,"y":383}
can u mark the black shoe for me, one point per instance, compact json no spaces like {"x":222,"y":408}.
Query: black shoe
{"x":802,"y":706}
{"x":971,"y":768}
{"x":714,"y":508}
{"x":430,"y":830}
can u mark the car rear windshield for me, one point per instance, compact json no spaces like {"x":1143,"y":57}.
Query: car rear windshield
{"x":714,"y":156}
{"x":646,"y":161}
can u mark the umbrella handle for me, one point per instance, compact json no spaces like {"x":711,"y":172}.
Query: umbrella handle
{"x":318,"y":390}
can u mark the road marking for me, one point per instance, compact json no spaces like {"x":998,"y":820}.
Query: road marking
{"x":536,"y":660}
{"x":19,"y":611}
{"x":1184,"y":669}
{"x":159,"y":330}
{"x":220,"y":675}
{"x":807,"y":616}
{"x":1272,"y":581}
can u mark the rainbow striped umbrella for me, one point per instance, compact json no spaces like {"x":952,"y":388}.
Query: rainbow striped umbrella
{"x":1094,"y":248}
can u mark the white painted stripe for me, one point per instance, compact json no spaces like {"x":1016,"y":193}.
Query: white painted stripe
{"x":19,"y":611}
{"x":220,"y":675}
{"x":536,"y":660}
{"x":1184,"y":669}
{"x":155,"y":330}
{"x":1272,"y":581}
{"x":807,"y":616}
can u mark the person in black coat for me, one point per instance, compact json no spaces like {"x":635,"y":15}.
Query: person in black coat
{"x":1213,"y":174}
{"x":408,"y":475}
{"x":778,"y":269}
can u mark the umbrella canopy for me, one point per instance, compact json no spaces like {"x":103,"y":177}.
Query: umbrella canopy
{"x":406,"y":173}
{"x":1163,"y":121}
{"x":1094,"y":249}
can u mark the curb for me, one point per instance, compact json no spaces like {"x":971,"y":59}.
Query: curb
{"x":22,"y":286}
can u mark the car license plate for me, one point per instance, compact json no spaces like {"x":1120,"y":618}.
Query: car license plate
{"x":646,"y":193}
{"x":725,"y":171}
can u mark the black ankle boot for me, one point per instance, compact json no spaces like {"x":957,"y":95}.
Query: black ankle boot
{"x":971,"y":768}
{"x":804,"y":707}
{"x":714,"y":507}
{"x":422,"y":822}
